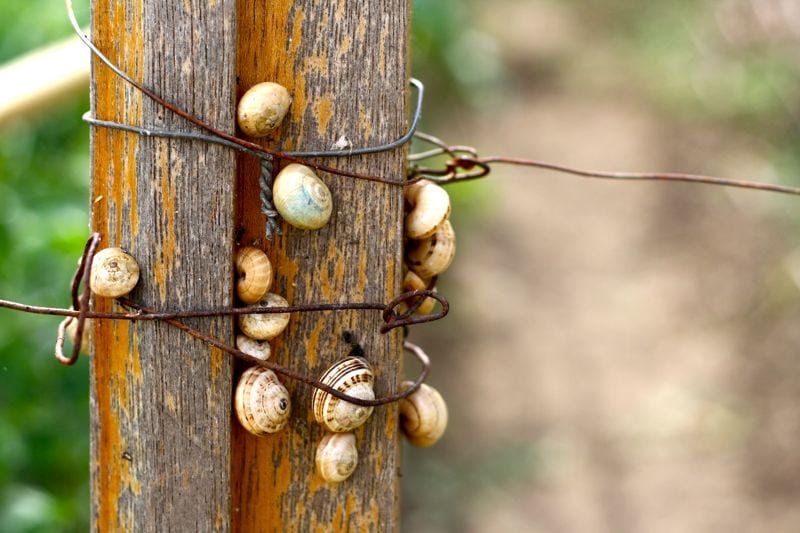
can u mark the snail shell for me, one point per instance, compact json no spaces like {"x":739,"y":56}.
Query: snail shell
{"x":262,"y":402}
{"x":430,"y":207}
{"x":432,"y":256}
{"x":262,"y":108}
{"x":412,"y":282}
{"x":353,"y":377}
{"x":86,"y":337}
{"x":114,"y":273}
{"x":423,"y":415}
{"x":301,"y":198}
{"x":256,"y":348}
{"x":337,"y":456}
{"x":265,"y":326}
{"x":254,"y":272}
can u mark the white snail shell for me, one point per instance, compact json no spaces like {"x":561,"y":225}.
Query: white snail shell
{"x":301,"y":198}
{"x":432,"y":256}
{"x":262,"y":108}
{"x":423,"y":415}
{"x":337,"y":457}
{"x":254,"y":273}
{"x":354,"y":377}
{"x":412,"y":282}
{"x":256,"y":348}
{"x":114,"y":273}
{"x":262,"y":403}
{"x":430,"y":207}
{"x":265,"y":326}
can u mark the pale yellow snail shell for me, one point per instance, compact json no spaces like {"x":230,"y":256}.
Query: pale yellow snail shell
{"x":262,"y":402}
{"x":301,"y":198}
{"x":430,"y":207}
{"x":354,"y":377}
{"x":114,"y":273}
{"x":254,"y":274}
{"x":412,"y":282}
{"x":257,"y":348}
{"x":423,"y":415}
{"x":86,"y":337}
{"x":432,"y":256}
{"x":265,"y":326}
{"x":262,"y":108}
{"x":337,"y":457}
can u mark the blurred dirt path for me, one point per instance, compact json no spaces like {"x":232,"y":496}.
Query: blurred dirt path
{"x":619,"y":357}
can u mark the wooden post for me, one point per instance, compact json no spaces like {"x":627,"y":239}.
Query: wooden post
{"x":345,"y":64}
{"x":160,"y":401}
{"x":166,"y":454}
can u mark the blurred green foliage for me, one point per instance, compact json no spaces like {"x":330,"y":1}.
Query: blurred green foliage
{"x":44,"y":169}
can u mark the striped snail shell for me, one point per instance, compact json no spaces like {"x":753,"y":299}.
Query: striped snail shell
{"x":262,"y":402}
{"x":430,"y":207}
{"x":301,"y":198}
{"x":432,"y":256}
{"x":337,"y":457}
{"x":352,"y":376}
{"x":423,"y":415}
{"x":254,"y":273}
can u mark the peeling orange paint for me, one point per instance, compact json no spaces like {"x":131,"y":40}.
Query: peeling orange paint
{"x":323,"y":111}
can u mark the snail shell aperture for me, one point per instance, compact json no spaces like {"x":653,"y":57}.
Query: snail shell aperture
{"x":423,"y":415}
{"x":265,"y":326}
{"x":254,"y":272}
{"x":262,"y":108}
{"x":354,"y":377}
{"x":337,"y":457}
{"x":262,"y":403}
{"x":114,"y":273}
{"x":430,"y":207}
{"x":432,"y":256}
{"x":301,"y":198}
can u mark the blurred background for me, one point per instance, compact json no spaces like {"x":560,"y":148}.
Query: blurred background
{"x":618,"y":358}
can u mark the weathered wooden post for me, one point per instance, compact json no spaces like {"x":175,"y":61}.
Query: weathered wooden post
{"x":166,"y":453}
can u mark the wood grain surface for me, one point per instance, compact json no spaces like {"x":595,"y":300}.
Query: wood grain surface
{"x":345,"y":64}
{"x":160,"y":400}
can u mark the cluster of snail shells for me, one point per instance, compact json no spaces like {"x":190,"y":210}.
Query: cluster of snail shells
{"x":301,"y":198}
{"x":431,"y":241}
{"x":337,"y":455}
{"x":261,"y":401}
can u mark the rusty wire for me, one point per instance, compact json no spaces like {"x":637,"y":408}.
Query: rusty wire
{"x":80,"y":295}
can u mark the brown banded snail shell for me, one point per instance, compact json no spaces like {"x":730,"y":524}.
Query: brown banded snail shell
{"x":337,"y":457}
{"x":262,"y":402}
{"x":430,"y":207}
{"x":262,"y":108}
{"x":265,"y":326}
{"x":301,"y":198}
{"x":423,"y":415}
{"x":114,"y":273}
{"x":352,"y":376}
{"x":254,"y":272}
{"x":256,"y":348}
{"x":432,"y":256}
